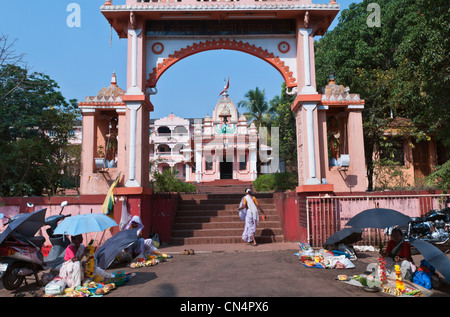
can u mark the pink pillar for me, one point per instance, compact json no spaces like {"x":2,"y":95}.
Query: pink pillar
{"x":357,"y":166}
{"x":88,"y":149}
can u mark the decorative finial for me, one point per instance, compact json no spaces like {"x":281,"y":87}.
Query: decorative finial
{"x":114,"y":79}
{"x":331,"y":78}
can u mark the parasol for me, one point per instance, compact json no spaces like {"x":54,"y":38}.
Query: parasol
{"x":345,"y":236}
{"x":85,"y":223}
{"x":25,"y":224}
{"x":106,"y":253}
{"x":378,"y":218}
{"x":434,"y":256}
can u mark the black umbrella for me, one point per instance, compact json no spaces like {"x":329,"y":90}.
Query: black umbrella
{"x":378,"y":218}
{"x":106,"y":254}
{"x":434,"y":256}
{"x":25,"y":224}
{"x":345,"y":236}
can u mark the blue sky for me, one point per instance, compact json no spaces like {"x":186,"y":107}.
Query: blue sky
{"x":82,"y":59}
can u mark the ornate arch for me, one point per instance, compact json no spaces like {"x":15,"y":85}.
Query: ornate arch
{"x":245,"y":47}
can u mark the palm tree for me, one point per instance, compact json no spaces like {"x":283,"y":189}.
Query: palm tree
{"x":258,"y":109}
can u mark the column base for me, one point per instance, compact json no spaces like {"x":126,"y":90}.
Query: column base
{"x":132,"y":183}
{"x":313,"y":181}
{"x":306,"y":90}
{"x":315,"y":188}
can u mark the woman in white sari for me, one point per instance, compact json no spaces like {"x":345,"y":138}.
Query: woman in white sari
{"x":248,"y":211}
{"x":143,"y":246}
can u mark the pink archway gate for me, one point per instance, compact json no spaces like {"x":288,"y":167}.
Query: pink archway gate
{"x":227,"y":44}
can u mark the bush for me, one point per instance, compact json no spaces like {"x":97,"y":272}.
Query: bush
{"x":276,"y":181}
{"x":167,"y":181}
{"x":440,"y":178}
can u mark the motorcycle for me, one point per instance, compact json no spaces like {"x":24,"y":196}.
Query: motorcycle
{"x":433,"y":227}
{"x":21,"y":251}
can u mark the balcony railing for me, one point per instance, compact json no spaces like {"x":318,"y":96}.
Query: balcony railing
{"x":140,"y":2}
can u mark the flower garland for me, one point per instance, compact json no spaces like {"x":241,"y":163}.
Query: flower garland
{"x":382,"y":270}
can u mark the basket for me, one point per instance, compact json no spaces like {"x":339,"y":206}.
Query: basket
{"x":120,"y":282}
{"x":119,"y":274}
{"x":46,"y":250}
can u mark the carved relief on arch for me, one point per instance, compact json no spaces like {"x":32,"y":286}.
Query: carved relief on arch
{"x":245,"y":47}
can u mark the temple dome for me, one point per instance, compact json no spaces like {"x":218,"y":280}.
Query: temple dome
{"x":113,"y":91}
{"x":225,"y":108}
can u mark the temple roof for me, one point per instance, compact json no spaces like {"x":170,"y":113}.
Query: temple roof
{"x":112,"y":93}
{"x":225,"y":107}
{"x":334,"y":93}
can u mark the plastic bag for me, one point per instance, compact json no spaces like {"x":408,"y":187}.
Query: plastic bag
{"x":338,"y":262}
{"x":423,"y":279}
{"x":348,"y":264}
{"x":155,"y":240}
{"x":55,"y":287}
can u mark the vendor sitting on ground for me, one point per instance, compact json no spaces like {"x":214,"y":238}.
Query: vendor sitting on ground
{"x":398,"y":252}
{"x":142,"y":247}
{"x":72,"y":271}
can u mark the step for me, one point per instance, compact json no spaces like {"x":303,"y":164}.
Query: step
{"x":223,"y":240}
{"x":182,"y":207}
{"x":233,"y":201}
{"x":189,"y":196}
{"x":226,"y":232}
{"x":206,"y":219}
{"x":220,"y":225}
{"x":216,"y":213}
{"x":212,"y":218}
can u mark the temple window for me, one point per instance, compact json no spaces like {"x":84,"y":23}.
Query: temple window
{"x":209,"y":163}
{"x":163,"y":149}
{"x":164,"y":131}
{"x":242,"y":162}
{"x":180,"y":131}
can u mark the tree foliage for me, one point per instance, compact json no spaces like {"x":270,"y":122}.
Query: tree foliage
{"x":285,"y":120}
{"x":400,"y":68}
{"x":257,"y":108}
{"x":167,"y":181}
{"x":31,"y":106}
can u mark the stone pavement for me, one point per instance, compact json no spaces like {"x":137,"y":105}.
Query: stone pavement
{"x":230,"y":247}
{"x":239,"y":272}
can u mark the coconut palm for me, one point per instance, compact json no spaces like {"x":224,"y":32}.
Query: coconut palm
{"x":258,"y":110}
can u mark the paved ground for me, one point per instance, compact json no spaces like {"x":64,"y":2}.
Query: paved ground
{"x":267,"y":270}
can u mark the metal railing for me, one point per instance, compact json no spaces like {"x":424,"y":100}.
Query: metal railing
{"x":327,"y":214}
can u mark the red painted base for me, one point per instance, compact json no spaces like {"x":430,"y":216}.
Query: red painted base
{"x":322,"y":188}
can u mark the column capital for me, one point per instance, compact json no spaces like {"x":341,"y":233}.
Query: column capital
{"x":134,"y":32}
{"x":140,"y":99}
{"x":305,"y":99}
{"x":304,"y":31}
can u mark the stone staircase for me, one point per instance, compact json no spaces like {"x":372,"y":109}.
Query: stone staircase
{"x":212,"y":219}
{"x":224,"y":186}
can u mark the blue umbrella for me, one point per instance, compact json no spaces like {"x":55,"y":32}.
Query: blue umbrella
{"x":85,"y":223}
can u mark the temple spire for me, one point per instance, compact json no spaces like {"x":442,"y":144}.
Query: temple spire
{"x":114,"y":79}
